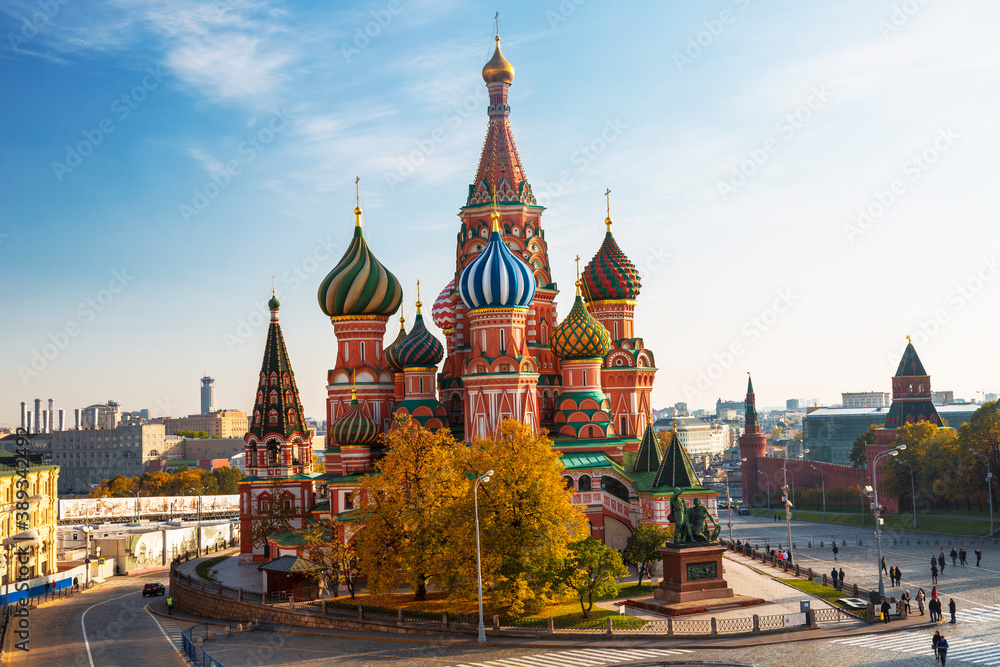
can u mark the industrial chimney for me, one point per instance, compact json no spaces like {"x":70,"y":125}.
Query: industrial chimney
{"x":76,"y":418}
{"x":62,"y":415}
{"x":38,"y":414}
{"x":24,"y":406}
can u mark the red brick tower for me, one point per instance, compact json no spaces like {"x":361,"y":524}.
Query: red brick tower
{"x":753,"y":445}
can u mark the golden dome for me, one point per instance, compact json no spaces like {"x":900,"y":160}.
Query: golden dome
{"x":498,"y":69}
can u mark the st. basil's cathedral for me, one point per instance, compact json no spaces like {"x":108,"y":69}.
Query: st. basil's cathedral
{"x":586,"y":380}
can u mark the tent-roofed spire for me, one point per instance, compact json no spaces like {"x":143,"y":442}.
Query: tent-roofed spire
{"x":278,"y":409}
{"x":648,"y":457}
{"x":675,"y":469}
{"x":909,"y":365}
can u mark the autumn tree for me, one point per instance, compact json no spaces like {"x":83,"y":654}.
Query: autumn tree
{"x":982,"y":434}
{"x":643,"y":546}
{"x":591,"y":570}
{"x":403,"y":508}
{"x":858,"y":455}
{"x":526,"y":516}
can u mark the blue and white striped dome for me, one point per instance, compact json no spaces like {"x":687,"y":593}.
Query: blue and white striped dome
{"x":496,"y":278}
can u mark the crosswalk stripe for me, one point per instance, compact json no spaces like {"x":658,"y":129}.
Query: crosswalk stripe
{"x":531,"y":662}
{"x":603,"y":656}
{"x":557,"y":659}
{"x":577,"y":658}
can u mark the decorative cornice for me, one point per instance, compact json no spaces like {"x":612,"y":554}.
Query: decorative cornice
{"x":348,"y":318}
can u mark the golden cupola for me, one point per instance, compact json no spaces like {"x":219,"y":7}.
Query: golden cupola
{"x":498,"y":69}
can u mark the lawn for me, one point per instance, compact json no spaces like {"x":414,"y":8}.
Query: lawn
{"x":932,"y":523}
{"x":565,"y":614}
{"x":202,"y":568}
{"x":818,"y":590}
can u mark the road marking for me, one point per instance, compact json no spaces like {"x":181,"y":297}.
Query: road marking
{"x":578,"y":657}
{"x":83,"y":625}
{"x":965,"y":650}
{"x":169,"y":640}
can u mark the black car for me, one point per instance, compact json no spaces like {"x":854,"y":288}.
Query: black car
{"x":153,"y":589}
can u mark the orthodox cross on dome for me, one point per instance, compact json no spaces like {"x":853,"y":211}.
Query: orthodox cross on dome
{"x":607,"y":220}
{"x":496,"y":22}
{"x":418,"y":296}
{"x":495,"y":215}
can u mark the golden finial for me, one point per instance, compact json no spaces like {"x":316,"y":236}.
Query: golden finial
{"x":495,"y":215}
{"x":908,"y":339}
{"x":418,"y":298}
{"x":357,"y":201}
{"x":607,"y":220}
{"x":272,"y":286}
{"x":579,"y":282}
{"x":402,"y":321}
{"x":496,"y":21}
{"x":675,"y":425}
{"x":354,"y":387}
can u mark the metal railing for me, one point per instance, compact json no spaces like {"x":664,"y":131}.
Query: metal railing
{"x":194,"y":638}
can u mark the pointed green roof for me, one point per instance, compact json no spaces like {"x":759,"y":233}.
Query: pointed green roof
{"x":648,"y":458}
{"x":277,"y":409}
{"x":909,"y":365}
{"x":749,"y":384}
{"x":675,"y":469}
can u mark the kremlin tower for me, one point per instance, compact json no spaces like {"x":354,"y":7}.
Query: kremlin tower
{"x":753,"y":444}
{"x":278,"y":446}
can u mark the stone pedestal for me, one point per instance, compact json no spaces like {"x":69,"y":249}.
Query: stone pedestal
{"x":692,"y":572}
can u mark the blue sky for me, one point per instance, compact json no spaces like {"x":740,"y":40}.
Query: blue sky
{"x":800,"y":186}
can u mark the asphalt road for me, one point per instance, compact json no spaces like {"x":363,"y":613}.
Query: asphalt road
{"x":106,"y":626}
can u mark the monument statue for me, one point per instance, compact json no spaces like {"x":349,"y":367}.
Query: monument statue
{"x":691,"y":524}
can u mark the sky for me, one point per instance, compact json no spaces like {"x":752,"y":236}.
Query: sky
{"x":801,"y":186}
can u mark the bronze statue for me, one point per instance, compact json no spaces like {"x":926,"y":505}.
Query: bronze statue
{"x":678,"y":512}
{"x":691,"y":523}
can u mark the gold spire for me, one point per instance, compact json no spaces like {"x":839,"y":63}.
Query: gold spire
{"x":607,"y":220}
{"x":357,"y":201}
{"x":418,"y":298}
{"x":273,"y":288}
{"x":495,"y":215}
{"x":354,"y":387}
{"x":578,"y":281}
{"x":908,"y":339}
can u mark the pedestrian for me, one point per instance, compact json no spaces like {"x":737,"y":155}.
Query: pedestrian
{"x":962,"y":554}
{"x":934,"y":574}
{"x":899,"y":576}
{"x":954,"y":556}
{"x":170,"y":605}
{"x":934,"y":645}
{"x":835,"y":551}
{"x":905,"y":599}
{"x":932,"y":610}
{"x":942,"y":647}
{"x":883,"y":564}
{"x":841,"y":577}
{"x":979,"y":556}
{"x":941,"y":563}
{"x":834,"y":576}
{"x":934,"y":593}
{"x":885,"y":610}
{"x":951,"y":609}
{"x":920,"y":601}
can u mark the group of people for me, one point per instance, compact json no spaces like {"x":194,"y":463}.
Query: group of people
{"x":895,"y":575}
{"x":838,"y":578}
{"x":934,"y":606}
{"x":940,"y":646}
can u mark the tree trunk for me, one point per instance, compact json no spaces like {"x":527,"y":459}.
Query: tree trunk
{"x":639,"y":567}
{"x":583,"y":609}
{"x":590,"y":603}
{"x":421,"y":588}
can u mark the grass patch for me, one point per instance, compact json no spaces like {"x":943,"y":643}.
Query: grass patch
{"x":565,"y":614}
{"x":202,"y":568}
{"x":932,"y":523}
{"x":818,"y":590}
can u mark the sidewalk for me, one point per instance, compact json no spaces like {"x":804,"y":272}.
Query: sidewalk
{"x":231,"y":573}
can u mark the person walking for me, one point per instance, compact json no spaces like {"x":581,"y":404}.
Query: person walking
{"x":835,"y":577}
{"x":934,"y":573}
{"x":932,"y":609}
{"x":883,"y":565}
{"x":941,"y":562}
{"x":963,"y":556}
{"x":170,"y":605}
{"x":920,"y":601}
{"x":934,"y":645}
{"x":954,"y":556}
{"x":905,"y":599}
{"x":841,"y":577}
{"x":836,"y":551}
{"x":942,"y":649}
{"x":979,"y":556}
{"x":885,"y":610}
{"x":899,"y":576}
{"x":951,"y":609}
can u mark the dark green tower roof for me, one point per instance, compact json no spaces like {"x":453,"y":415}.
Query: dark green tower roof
{"x":909,"y":365}
{"x":648,"y":457}
{"x":277,"y":408}
{"x":675,"y":469}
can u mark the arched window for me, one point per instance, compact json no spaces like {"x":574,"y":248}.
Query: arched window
{"x":154,"y":453}
{"x":362,"y":350}
{"x":569,"y":481}
{"x":260,"y":398}
{"x":285,"y":379}
{"x":584,"y":483}
{"x":272,"y":418}
{"x":274,"y":378}
{"x":273,"y":396}
{"x":291,"y":417}
{"x":288,"y":396}
{"x":272,"y":453}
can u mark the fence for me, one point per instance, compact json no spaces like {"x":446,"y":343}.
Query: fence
{"x":194,"y":638}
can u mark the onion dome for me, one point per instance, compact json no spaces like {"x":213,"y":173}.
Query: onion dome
{"x":273,"y":303}
{"x":359,"y":284}
{"x":390,"y":352}
{"x":580,"y":336}
{"x":419,"y":348}
{"x":498,"y":69}
{"x":496,"y":278}
{"x":443,"y":310}
{"x":610,"y":275}
{"x":353,"y":427}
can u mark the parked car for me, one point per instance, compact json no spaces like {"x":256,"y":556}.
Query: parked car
{"x":153,"y":588}
{"x":744,"y":511}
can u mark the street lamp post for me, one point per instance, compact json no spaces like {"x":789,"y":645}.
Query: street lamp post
{"x":878,"y":511}
{"x":479,"y":563}
{"x":989,"y":484}
{"x":789,"y":505}
{"x":823,"y":479}
{"x":913,"y":493}
{"x":768,"y":480}
{"x":729,"y":502}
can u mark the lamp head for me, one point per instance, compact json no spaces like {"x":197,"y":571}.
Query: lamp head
{"x":901,"y":447}
{"x":894,"y":453}
{"x":489,"y":473}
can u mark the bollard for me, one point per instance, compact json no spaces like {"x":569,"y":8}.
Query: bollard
{"x":811,"y":618}
{"x":797,"y":571}
{"x":821,"y":544}
{"x":860,"y":543}
{"x":322,"y":605}
{"x":756,"y":623}
{"x":361,"y":613}
{"x":444,"y":618}
{"x":870,"y":612}
{"x":810,"y":545}
{"x":918,"y":542}
{"x":894,"y":541}
{"x":399,"y":616}
{"x":824,"y":580}
{"x":552,"y":626}
{"x":496,"y":622}
{"x":670,"y":627}
{"x":811,"y":574}
{"x":609,"y":625}
{"x":239,"y":594}
{"x":715,"y":626}
{"x":855,"y":591}
{"x":907,"y":543}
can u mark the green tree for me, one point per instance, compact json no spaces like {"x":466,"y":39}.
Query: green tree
{"x":643,"y":546}
{"x":858,"y":457}
{"x":982,"y":433}
{"x":227,"y":479}
{"x":591,"y":570}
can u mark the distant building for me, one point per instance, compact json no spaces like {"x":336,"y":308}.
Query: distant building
{"x":698,"y":437}
{"x":37,"y":525}
{"x":865,"y":399}
{"x":990,"y":398}
{"x":222,"y":424}
{"x":792,"y":404}
{"x":208,"y":395}
{"x":681,"y":408}
{"x":214,"y":448}
{"x":943,"y":397}
{"x":722,"y":407}
{"x":87,"y":457}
